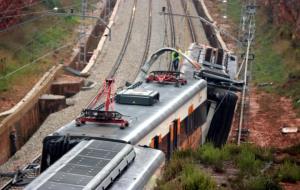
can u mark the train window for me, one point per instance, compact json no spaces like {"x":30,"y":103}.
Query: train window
{"x":220,"y":57}
{"x":208,"y":54}
{"x":200,"y":115}
{"x":155,"y":142}
{"x":175,"y":134}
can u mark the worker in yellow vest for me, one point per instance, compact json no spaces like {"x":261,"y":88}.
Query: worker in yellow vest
{"x":176,"y":59}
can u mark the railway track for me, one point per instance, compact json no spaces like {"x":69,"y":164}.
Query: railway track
{"x":22,"y":177}
{"x":209,"y":31}
{"x":172,"y":26}
{"x":148,"y":40}
{"x":125,"y":43}
{"x":190,"y":23}
{"x":11,"y":184}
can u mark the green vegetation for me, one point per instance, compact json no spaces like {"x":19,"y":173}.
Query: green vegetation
{"x":234,"y":10}
{"x":182,"y":174}
{"x":247,"y":162}
{"x":277,"y":60}
{"x":22,"y":45}
{"x":289,"y":172}
{"x":277,"y":54}
{"x":208,"y":154}
{"x":255,"y":168}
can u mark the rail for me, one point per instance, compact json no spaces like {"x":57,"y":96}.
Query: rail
{"x":125,"y":43}
{"x":190,"y":23}
{"x":172,"y":26}
{"x":20,"y":178}
{"x":146,"y":52}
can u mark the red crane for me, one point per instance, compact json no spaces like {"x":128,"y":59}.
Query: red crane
{"x":95,"y":113}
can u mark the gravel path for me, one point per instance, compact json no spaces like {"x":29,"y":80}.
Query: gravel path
{"x":105,"y":62}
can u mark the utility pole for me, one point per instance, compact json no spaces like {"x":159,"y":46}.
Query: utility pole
{"x":247,"y":34}
{"x":82,"y":34}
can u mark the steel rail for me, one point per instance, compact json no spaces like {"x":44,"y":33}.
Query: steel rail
{"x":148,"y":40}
{"x":190,"y":23}
{"x":172,"y":26}
{"x":125,"y":43}
{"x":9,"y":184}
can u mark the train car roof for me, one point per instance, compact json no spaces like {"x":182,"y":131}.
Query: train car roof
{"x":142,"y":119}
{"x":98,"y":164}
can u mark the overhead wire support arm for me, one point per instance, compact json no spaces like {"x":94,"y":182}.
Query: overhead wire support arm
{"x":213,"y":24}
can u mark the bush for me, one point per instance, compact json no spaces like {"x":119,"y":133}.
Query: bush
{"x":167,"y":185}
{"x":231,"y":149}
{"x":260,"y":183}
{"x":180,"y":174}
{"x":210,"y":155}
{"x":179,"y":154}
{"x":173,"y":168}
{"x":247,"y":162}
{"x":289,"y":172}
{"x":194,"y":179}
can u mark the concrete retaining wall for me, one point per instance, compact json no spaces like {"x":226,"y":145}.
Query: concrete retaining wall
{"x":18,"y":127}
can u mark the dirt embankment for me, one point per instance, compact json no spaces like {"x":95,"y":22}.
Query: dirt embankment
{"x":268,"y":114}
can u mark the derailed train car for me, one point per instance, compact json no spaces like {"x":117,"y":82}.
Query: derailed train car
{"x":165,"y":110}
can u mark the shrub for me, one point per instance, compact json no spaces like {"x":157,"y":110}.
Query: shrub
{"x":289,"y":172}
{"x":173,"y":168}
{"x":247,"y":163}
{"x":260,"y":183}
{"x":167,"y":185}
{"x":194,"y":179}
{"x":208,"y":154}
{"x":188,"y":153}
{"x":231,"y":150}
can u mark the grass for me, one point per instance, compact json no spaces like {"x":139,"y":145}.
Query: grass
{"x":183,"y":174}
{"x":252,"y":163}
{"x":26,"y":43}
{"x":289,"y":172}
{"x":247,"y":162}
{"x":234,"y":10}
{"x":277,"y":54}
{"x":210,"y":155}
{"x":277,"y":59}
{"x":260,"y":182}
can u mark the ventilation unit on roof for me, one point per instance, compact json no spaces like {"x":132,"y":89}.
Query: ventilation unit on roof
{"x":137,"y":96}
